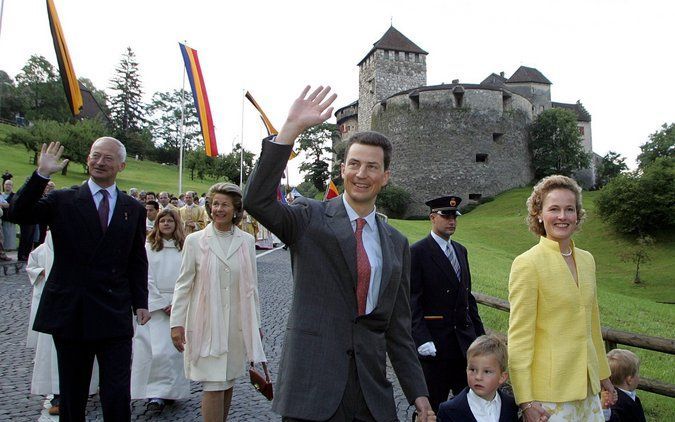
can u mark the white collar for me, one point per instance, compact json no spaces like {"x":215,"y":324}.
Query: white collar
{"x":484,"y":405}
{"x":94,"y":188}
{"x":353,"y":215}
{"x":441,"y":242}
{"x":631,"y":393}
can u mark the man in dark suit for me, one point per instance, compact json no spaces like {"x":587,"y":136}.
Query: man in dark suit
{"x":351,"y":294}
{"x":99,"y":277}
{"x":445,"y":316}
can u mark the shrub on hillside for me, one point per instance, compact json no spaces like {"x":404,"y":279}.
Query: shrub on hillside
{"x":393,"y":201}
{"x":641,"y":203}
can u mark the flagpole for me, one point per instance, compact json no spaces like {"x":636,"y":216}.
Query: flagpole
{"x":181,"y":133}
{"x":2,"y":8}
{"x":241,"y":144}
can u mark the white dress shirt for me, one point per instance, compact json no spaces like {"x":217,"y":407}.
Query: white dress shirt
{"x":371,"y":242}
{"x":483,"y":410}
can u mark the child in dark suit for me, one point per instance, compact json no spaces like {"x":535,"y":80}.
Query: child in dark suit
{"x":625,"y":367}
{"x":481,"y":400}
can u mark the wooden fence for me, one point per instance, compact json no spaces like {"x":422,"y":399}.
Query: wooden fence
{"x":613,"y":337}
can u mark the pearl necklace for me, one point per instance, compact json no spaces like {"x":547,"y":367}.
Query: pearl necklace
{"x":566,"y":254}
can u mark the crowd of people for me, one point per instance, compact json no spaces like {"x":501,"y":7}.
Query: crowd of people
{"x":185,"y":267}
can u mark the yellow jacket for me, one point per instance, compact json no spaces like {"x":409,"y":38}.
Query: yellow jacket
{"x":555,"y":344}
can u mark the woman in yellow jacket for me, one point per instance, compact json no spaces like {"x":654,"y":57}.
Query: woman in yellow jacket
{"x":557,"y":361}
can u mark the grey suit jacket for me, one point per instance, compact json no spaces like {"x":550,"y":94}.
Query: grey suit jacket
{"x":324,"y":330}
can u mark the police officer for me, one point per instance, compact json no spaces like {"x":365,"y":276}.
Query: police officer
{"x":445,"y":317}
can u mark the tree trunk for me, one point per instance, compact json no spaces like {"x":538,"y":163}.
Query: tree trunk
{"x":64,"y":170}
{"x":637,"y":272}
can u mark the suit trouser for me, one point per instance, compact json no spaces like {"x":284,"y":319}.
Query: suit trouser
{"x":352,"y":407}
{"x":75,"y":361}
{"x":442,"y":376}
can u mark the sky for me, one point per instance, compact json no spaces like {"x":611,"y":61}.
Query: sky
{"x":613,"y":55}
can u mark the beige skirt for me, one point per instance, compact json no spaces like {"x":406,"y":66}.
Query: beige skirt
{"x":586,"y":410}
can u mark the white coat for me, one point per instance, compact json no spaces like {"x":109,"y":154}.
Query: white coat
{"x":229,"y":365}
{"x":45,"y":369}
{"x":157,"y":367}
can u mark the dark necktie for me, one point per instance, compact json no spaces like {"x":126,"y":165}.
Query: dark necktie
{"x":362,"y":268}
{"x":103,"y":209}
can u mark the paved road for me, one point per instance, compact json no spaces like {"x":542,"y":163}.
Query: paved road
{"x":17,"y":404}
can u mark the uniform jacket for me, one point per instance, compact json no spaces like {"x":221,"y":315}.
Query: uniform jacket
{"x":555,"y":343}
{"x":442,"y":306}
{"x":324,"y":330}
{"x":97,"y":280}
{"x":457,"y":409}
{"x":627,"y":409}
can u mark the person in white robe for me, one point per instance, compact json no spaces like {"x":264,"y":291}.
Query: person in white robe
{"x":45,"y":380}
{"x":215,"y":317}
{"x":157,"y":367}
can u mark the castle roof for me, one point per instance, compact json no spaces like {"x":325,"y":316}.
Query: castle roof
{"x":528,"y":74}
{"x":495,"y":80}
{"x":451,"y":87}
{"x":394,"y":40}
{"x":582,"y":114}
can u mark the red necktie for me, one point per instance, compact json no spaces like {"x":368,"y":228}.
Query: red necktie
{"x":362,"y":268}
{"x":103,"y":209}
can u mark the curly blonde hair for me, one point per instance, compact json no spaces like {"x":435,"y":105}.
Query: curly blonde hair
{"x":535,"y":202}
{"x":155,"y":236}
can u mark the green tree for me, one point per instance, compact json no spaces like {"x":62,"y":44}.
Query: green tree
{"x":41,"y":91}
{"x":126,"y":104}
{"x":393,"y":200}
{"x":661,"y":144}
{"x":10,"y":102}
{"x":164,"y":118}
{"x":227,"y":166}
{"x":638,"y":255}
{"x":612,"y":165}
{"x":643,"y":203}
{"x":315,"y":143}
{"x":555,"y":144}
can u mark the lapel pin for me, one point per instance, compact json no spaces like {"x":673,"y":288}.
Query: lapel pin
{"x":126,"y":216}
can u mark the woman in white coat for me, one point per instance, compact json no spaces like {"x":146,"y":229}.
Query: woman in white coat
{"x":157,"y":368}
{"x":215,"y":317}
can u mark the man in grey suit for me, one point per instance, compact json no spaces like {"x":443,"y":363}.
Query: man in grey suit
{"x":351,"y":292}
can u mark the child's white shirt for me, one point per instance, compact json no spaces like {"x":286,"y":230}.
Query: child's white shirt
{"x":483,"y":410}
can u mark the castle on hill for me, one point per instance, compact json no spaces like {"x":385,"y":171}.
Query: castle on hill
{"x":459,"y":138}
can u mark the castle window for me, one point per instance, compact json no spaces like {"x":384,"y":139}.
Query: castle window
{"x":415,"y":100}
{"x":498,"y":137}
{"x":481,"y":158}
{"x":475,"y":196}
{"x":407,"y":56}
{"x":384,"y":105}
{"x":581,"y":130}
{"x":417,"y":57}
{"x":459,"y":99}
{"x":386,"y":54}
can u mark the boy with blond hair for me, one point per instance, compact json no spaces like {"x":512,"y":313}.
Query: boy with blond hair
{"x":482,"y":400}
{"x":625,"y":367}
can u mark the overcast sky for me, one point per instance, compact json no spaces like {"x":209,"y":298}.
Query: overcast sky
{"x":613,"y":55}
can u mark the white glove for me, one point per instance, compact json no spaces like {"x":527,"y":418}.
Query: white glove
{"x":427,"y":349}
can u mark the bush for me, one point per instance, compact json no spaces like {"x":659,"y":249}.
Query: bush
{"x":393,"y":201}
{"x":641,"y":204}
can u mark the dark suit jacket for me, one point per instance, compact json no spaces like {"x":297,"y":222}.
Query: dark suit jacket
{"x":457,"y":408}
{"x":443,"y":308}
{"x":627,"y":409}
{"x":96,"y":279}
{"x":324,"y":330}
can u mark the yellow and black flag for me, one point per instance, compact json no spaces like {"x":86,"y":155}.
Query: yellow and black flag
{"x":268,"y":125}
{"x":66,"y":70}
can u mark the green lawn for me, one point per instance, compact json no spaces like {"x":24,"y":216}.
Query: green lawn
{"x":495,"y":233}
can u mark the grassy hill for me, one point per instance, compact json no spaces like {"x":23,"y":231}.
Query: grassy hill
{"x":496,"y":232}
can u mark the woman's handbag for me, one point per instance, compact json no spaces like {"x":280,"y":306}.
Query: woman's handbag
{"x":261,"y":382}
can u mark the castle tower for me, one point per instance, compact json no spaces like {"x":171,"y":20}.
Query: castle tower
{"x":533,"y":85}
{"x":394,"y":64}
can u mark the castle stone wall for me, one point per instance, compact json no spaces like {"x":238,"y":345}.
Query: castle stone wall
{"x":436,"y":145}
{"x":385,"y":73}
{"x":538,"y":94}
